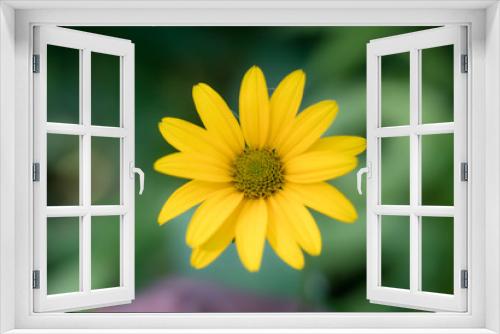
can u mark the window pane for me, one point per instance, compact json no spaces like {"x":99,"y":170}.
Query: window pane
{"x":105,"y":171}
{"x":437,"y":169}
{"x":395,"y":243}
{"x":63,"y":84}
{"x":395,"y":89}
{"x":105,"y":89}
{"x":63,"y":264}
{"x":437,"y":254}
{"x":395,"y":174}
{"x":105,"y":252}
{"x":437,"y":84}
{"x":63,"y":169}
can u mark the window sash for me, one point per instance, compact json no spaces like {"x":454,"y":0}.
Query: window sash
{"x":414,"y":43}
{"x":86,"y":297}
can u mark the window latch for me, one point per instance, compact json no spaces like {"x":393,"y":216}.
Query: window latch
{"x":134,"y":170}
{"x":365,"y":170}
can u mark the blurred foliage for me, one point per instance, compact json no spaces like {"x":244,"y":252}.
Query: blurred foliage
{"x":395,"y":238}
{"x":105,"y":252}
{"x":62,"y":255}
{"x":395,"y":90}
{"x":395,"y":170}
{"x":168,"y":62}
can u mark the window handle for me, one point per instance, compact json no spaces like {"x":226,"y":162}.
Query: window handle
{"x":135,"y":170}
{"x":365,"y":170}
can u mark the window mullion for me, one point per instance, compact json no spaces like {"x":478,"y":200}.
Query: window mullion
{"x":85,"y":172}
{"x":415,"y":229}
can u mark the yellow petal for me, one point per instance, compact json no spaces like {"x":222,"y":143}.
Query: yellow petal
{"x":325,"y":199}
{"x":187,"y":196}
{"x":350,"y":145}
{"x":201,"y":258}
{"x":205,"y":254}
{"x":194,"y":166}
{"x":304,"y":227}
{"x":281,"y":239}
{"x":254,"y":108}
{"x":285,"y":103}
{"x":187,"y":137}
{"x":217,"y":117}
{"x":318,"y":166}
{"x":251,"y":233}
{"x":309,"y":125}
{"x":211,"y":214}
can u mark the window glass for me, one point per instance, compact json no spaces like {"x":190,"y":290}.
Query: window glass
{"x":63,"y":163}
{"x":437,"y":169}
{"x":63,"y":84}
{"x":105,"y":252}
{"x":395,"y":251}
{"x":395,"y":89}
{"x":105,"y":171}
{"x":63,"y":264}
{"x":437,"y":84}
{"x":395,"y":170}
{"x":105,"y":89}
{"x":437,"y":254}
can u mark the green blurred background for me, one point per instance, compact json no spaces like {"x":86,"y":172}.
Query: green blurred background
{"x":168,"y":62}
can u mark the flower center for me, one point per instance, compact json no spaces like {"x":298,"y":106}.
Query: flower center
{"x":258,"y":173}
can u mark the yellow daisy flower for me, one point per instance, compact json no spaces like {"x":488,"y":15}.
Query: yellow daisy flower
{"x":254,"y":179}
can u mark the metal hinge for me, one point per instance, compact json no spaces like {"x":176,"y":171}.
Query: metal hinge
{"x":464,"y":171}
{"x":465,"y":64}
{"x":36,"y":172}
{"x":36,"y":63}
{"x":36,"y":279}
{"x":464,"y":279}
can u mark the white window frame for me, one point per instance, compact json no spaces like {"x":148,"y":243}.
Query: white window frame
{"x":16,"y":21}
{"x":86,"y":44}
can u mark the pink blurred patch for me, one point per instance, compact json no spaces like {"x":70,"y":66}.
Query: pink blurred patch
{"x":184,"y":295}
